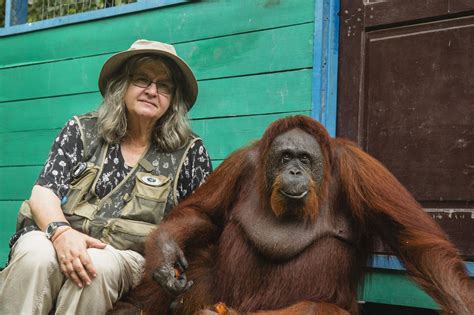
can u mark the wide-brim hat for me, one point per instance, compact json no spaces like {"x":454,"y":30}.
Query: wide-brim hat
{"x":141,"y":46}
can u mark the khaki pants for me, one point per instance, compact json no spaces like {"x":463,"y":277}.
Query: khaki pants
{"x":34,"y":284}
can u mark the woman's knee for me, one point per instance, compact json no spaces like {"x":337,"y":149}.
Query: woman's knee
{"x":34,"y":252}
{"x":106,"y":264}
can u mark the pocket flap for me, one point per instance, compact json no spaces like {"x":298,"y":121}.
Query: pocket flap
{"x":152,"y":180}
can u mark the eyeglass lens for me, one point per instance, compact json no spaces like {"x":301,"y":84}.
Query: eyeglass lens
{"x":162,"y":87}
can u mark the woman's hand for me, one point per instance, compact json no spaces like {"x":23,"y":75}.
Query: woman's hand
{"x":71,"y":248}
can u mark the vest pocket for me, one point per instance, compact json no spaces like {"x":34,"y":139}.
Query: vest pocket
{"x":79,"y":188}
{"x":148,"y":199}
{"x":127,"y":234}
{"x":25,"y":217}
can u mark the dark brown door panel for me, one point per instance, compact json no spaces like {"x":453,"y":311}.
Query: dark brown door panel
{"x":406,"y":96}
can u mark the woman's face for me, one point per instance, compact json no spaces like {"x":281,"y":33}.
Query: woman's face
{"x":149,"y":93}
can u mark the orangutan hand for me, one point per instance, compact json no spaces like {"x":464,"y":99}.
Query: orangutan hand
{"x":170,"y":274}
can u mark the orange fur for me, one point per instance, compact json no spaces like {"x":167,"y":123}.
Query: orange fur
{"x":308,"y":212}
{"x":324,"y":277}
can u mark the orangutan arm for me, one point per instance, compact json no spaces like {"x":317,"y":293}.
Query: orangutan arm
{"x":380,"y":203}
{"x":197,"y":220}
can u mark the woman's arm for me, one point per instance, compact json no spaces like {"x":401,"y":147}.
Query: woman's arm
{"x":53,"y":183}
{"x":46,"y":207}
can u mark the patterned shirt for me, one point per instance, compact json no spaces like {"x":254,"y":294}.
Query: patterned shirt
{"x":68,"y":150}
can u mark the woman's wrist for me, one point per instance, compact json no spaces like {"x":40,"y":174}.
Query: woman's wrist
{"x":59,"y":232}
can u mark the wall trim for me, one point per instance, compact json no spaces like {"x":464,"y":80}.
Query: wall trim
{"x":325,"y":63}
{"x":140,"y":5}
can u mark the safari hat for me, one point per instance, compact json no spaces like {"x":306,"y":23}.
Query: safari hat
{"x":142,"y":46}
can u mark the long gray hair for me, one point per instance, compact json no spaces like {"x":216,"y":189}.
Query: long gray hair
{"x":172,"y":130}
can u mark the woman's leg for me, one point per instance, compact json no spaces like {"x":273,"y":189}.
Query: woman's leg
{"x":117,"y":272}
{"x":32,"y":280}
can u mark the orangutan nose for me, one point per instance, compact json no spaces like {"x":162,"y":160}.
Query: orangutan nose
{"x":295,"y":172}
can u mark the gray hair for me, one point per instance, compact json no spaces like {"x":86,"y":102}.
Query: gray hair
{"x":172,"y":131}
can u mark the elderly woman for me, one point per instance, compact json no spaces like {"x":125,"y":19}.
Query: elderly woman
{"x":110,"y":177}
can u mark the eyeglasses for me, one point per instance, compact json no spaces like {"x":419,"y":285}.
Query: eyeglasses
{"x":162,"y":87}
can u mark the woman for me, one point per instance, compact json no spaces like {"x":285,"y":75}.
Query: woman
{"x":110,"y":177}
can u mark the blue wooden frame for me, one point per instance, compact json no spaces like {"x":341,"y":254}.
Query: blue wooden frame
{"x":393,"y":263}
{"x":11,"y":29}
{"x":325,"y":63}
{"x":8,"y":5}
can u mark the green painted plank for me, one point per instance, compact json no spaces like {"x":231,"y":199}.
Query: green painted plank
{"x":395,"y":288}
{"x":236,"y":131}
{"x":249,"y":95}
{"x":279,"y":49}
{"x":51,"y":79}
{"x":225,"y":135}
{"x":182,"y":23}
{"x":252,"y":95}
{"x":26,"y":148}
{"x":16,"y":182}
{"x":257,"y":52}
{"x":45,"y":113}
{"x":8,"y":212}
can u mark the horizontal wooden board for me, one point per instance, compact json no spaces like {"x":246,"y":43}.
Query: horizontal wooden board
{"x":382,"y":13}
{"x":177,"y":24}
{"x":8,"y":213}
{"x":275,"y":92}
{"x":394,"y":287}
{"x":252,"y":95}
{"x":459,"y":225}
{"x":26,"y":148}
{"x":16,"y":181}
{"x":224,"y":135}
{"x":257,"y":52}
{"x":45,"y":113}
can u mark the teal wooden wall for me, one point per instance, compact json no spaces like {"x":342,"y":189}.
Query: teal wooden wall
{"x":253,"y":60}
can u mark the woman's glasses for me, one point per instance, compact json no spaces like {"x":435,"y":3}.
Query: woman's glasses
{"x":162,"y":87}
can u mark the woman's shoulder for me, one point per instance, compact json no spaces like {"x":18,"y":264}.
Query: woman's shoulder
{"x":86,"y":123}
{"x":85,"y":118}
{"x":195,"y":142}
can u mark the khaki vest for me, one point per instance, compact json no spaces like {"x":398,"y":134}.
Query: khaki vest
{"x":144,"y":196}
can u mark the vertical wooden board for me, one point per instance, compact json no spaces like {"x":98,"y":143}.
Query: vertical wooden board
{"x":8,"y":213}
{"x":45,"y":113}
{"x":274,"y":92}
{"x":16,"y":182}
{"x":177,"y":24}
{"x":325,"y":63}
{"x":257,"y":52}
{"x":349,"y":94}
{"x":390,"y":287}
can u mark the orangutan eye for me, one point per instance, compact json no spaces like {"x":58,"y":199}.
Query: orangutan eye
{"x":285,"y":158}
{"x":305,"y":160}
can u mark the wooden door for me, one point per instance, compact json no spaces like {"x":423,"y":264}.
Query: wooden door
{"x":406,"y":96}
